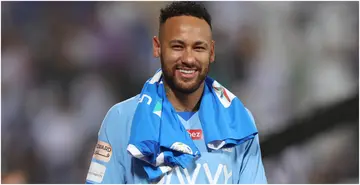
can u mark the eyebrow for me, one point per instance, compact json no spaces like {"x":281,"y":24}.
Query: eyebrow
{"x":197,"y":43}
{"x":176,"y":41}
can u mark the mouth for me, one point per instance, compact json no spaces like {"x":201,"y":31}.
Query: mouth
{"x":186,"y":73}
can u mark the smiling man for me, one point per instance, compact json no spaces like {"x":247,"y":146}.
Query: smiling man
{"x":184,"y":127}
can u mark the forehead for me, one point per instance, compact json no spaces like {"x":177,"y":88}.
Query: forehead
{"x":186,"y":28}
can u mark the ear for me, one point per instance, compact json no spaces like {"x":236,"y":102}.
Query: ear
{"x":212,"y":51}
{"x":156,"y":47}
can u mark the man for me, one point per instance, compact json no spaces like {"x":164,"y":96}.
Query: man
{"x":125,"y":154}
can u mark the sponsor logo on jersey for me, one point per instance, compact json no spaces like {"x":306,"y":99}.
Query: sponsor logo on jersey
{"x":103,"y":151}
{"x":195,"y":134}
{"x":184,"y":176}
{"x":96,"y":172}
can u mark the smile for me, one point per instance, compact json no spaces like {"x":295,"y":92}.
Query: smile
{"x":187,"y":71}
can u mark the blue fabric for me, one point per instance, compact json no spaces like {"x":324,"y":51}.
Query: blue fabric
{"x":158,"y":137}
{"x":186,"y":115}
{"x":241,"y":164}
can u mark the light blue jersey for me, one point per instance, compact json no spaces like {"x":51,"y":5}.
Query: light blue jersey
{"x":112,"y":164}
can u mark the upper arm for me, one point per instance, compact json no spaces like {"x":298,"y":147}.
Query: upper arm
{"x":106,"y":164}
{"x":252,"y":169}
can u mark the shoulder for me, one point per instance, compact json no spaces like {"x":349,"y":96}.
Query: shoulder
{"x":250,"y":115}
{"x":126,"y":107}
{"x":119,"y":117}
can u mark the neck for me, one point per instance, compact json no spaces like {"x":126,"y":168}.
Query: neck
{"x":183,"y":102}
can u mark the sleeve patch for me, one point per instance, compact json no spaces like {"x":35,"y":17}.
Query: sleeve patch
{"x":96,"y":172}
{"x":103,"y":151}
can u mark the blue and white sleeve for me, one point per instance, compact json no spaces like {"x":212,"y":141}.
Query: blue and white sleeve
{"x":106,"y":166}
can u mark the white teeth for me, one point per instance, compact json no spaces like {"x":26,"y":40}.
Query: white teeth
{"x":187,"y":71}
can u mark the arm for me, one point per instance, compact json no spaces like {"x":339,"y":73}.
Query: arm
{"x":252,"y":169}
{"x":106,"y":166}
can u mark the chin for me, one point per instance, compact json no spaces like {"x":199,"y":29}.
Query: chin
{"x":187,"y":87}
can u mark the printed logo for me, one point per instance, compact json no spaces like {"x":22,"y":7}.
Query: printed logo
{"x":96,"y":172}
{"x":181,"y":147}
{"x":103,"y":151}
{"x":195,"y":134}
{"x":221,"y":175}
{"x":141,"y":99}
{"x":223,"y":94}
{"x":157,"y":108}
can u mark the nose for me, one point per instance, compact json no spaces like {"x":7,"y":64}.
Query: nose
{"x":188,"y":57}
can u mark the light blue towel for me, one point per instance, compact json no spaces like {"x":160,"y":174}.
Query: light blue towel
{"x":159,"y":138}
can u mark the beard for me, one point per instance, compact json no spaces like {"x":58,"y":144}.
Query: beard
{"x":181,"y":85}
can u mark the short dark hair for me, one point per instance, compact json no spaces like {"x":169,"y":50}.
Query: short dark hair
{"x":190,"y":8}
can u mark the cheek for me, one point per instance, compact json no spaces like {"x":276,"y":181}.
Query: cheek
{"x":205,"y":60}
{"x":167,"y":61}
{"x":204,"y":56}
{"x":174,"y":55}
{"x":170,"y":59}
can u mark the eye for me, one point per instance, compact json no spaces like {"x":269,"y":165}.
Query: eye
{"x":177,"y":47}
{"x":199,"y":48}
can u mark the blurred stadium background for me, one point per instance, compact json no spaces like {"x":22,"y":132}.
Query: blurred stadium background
{"x":293,"y":64}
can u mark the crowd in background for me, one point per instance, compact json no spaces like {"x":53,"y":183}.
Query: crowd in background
{"x":64,"y":64}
